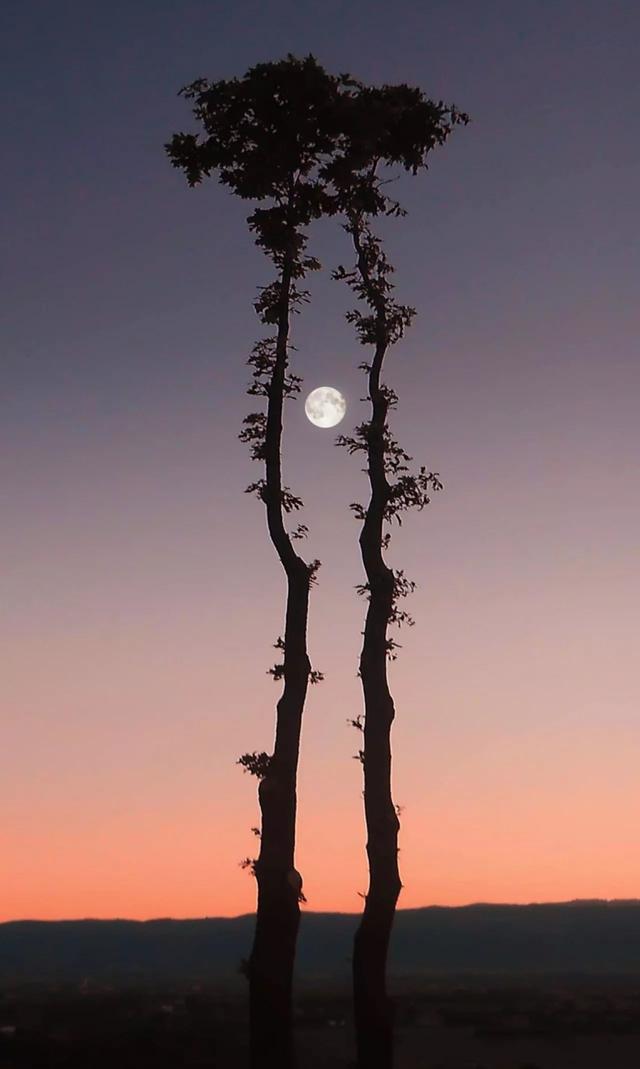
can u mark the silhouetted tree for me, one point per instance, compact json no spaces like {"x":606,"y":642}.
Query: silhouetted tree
{"x":394,"y":125}
{"x":267,"y":137}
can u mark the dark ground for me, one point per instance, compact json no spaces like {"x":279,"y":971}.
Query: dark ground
{"x":446,"y":1023}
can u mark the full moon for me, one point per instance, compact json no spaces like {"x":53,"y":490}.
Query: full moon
{"x":325,"y":406}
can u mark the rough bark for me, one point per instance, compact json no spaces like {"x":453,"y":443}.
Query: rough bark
{"x":278,"y":911}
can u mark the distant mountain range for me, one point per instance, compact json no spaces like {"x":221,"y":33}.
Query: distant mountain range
{"x":571,"y":937}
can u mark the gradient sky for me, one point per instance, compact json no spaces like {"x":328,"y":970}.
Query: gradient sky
{"x":140,"y":595}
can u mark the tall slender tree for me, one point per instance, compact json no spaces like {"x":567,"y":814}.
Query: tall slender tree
{"x":394,"y":125}
{"x":267,"y":136}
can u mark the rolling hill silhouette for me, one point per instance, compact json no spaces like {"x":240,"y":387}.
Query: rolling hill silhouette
{"x":574,"y":937}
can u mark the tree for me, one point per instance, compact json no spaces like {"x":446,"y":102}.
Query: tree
{"x":267,"y":136}
{"x":394,"y":125}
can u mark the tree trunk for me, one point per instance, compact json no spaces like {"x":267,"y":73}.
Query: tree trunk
{"x":372,"y":1006}
{"x":373,"y":1009}
{"x":279,"y":885}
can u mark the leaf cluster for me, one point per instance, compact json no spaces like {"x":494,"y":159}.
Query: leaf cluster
{"x":387,"y":319}
{"x":256,"y":764}
{"x":265,"y":135}
{"x":278,"y":670}
{"x":289,"y":501}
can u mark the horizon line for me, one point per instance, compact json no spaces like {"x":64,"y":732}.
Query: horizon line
{"x":322,"y":912}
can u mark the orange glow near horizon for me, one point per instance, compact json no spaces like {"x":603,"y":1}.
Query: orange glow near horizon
{"x":515,"y":743}
{"x":151,"y":818}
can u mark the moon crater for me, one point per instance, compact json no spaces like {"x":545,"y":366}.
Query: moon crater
{"x":325,"y":406}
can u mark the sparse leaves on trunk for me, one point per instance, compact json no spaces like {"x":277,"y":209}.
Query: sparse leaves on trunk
{"x":392,"y":125}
